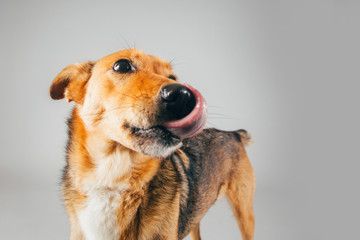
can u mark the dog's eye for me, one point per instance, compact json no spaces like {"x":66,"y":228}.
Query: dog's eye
{"x":172,"y":77}
{"x":123,"y":66}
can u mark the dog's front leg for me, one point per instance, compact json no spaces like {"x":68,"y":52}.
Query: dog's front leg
{"x":195,"y":233}
{"x":75,"y":229}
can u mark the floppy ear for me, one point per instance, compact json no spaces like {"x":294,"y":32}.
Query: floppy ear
{"x":71,"y":82}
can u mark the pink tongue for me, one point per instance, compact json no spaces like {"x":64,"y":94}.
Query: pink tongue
{"x":194,"y":122}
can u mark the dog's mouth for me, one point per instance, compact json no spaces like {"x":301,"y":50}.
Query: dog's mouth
{"x":193,"y":123}
{"x":155,"y":141}
{"x":154,"y":132}
{"x":172,"y":132}
{"x":163,"y":138}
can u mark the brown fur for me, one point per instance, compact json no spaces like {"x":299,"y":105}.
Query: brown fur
{"x":156,"y":196}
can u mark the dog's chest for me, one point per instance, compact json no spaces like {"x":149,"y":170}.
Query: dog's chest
{"x":99,"y":220}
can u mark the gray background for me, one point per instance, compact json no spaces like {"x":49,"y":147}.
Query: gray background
{"x":287,"y":71}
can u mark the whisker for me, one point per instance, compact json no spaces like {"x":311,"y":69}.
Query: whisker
{"x":172,"y":61}
{"x":224,"y":118}
{"x":124,"y":42}
{"x":140,"y":92}
{"x":213,"y":125}
{"x":126,"y":95}
{"x":212,"y":106}
{"x":219,"y":114}
{"x":178,"y":63}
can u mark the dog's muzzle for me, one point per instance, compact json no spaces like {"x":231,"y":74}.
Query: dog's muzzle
{"x":186,"y":110}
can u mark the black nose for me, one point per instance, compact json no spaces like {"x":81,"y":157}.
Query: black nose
{"x":178,"y":100}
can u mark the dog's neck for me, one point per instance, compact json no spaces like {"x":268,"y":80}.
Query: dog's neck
{"x":103,"y":163}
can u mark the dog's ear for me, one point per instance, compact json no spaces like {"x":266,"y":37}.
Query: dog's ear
{"x":71,"y":82}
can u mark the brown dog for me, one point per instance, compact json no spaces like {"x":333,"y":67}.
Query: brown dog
{"x":135,"y":169}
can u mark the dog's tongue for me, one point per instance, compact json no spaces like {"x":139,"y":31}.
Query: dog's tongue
{"x":194,"y":122}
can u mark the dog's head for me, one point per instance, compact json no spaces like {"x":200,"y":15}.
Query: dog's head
{"x":133,"y":99}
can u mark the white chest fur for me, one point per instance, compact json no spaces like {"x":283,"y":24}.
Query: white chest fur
{"x":105,"y":189}
{"x":98,"y":220}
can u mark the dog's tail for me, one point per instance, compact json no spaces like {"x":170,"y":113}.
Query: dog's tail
{"x":244,"y":137}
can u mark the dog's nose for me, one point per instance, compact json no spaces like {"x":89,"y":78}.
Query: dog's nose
{"x":178,"y":100}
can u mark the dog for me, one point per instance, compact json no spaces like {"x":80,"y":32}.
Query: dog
{"x":139,"y":164}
